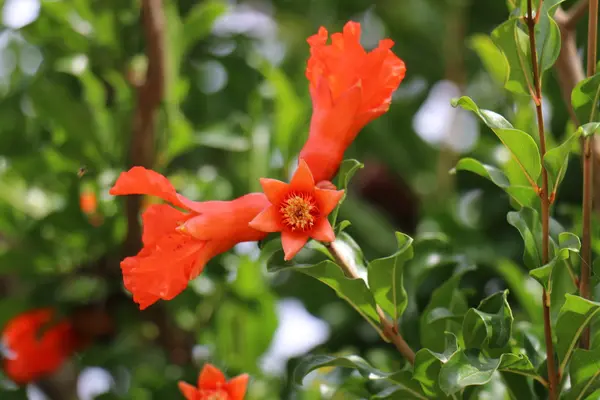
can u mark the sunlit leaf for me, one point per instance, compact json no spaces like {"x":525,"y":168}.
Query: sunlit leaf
{"x":529,"y":225}
{"x":514,"y":44}
{"x":556,"y":161}
{"x":585,"y":99}
{"x":347,"y":170}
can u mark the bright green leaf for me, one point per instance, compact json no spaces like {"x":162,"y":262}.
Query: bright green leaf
{"x":556,"y":161}
{"x":521,"y":146}
{"x":589,"y":129}
{"x":574,"y":316}
{"x":585,"y":99}
{"x":514,"y":44}
{"x":584,"y":372}
{"x":490,"y":324}
{"x":428,"y":365}
{"x":547,"y":34}
{"x":492,"y":58}
{"x":386,"y":278}
{"x":347,"y":170}
{"x":527,"y":222}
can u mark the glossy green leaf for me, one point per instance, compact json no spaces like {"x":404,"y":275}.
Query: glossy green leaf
{"x":568,"y":243}
{"x":547,"y":34}
{"x":523,"y":195}
{"x":489,"y":325}
{"x":574,"y":316}
{"x":491,"y":57}
{"x":584,"y":372}
{"x":514,"y":44}
{"x":448,"y":297}
{"x":556,"y":161}
{"x":589,"y":129}
{"x":354,"y":291}
{"x":471,"y":367}
{"x":527,"y":222}
{"x":347,"y":170}
{"x":428,"y":365}
{"x":386,"y":278}
{"x":521,"y":146}
{"x":585,"y":99}
{"x":519,"y":284}
{"x":402,"y":379}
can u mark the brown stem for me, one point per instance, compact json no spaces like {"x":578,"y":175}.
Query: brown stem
{"x":588,"y":156}
{"x":575,"y":13}
{"x":390,"y":329}
{"x":545,"y":200}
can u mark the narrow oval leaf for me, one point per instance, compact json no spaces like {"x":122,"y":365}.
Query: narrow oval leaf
{"x":514,"y":44}
{"x":449,"y":297}
{"x":589,"y":129}
{"x":489,"y":326}
{"x":471,"y":367}
{"x":386,"y":278}
{"x":547,"y":34}
{"x":527,"y":222}
{"x":347,"y":170}
{"x":354,"y":291}
{"x":428,"y":365}
{"x":584,"y":371}
{"x":521,"y":146}
{"x":523,"y":195}
{"x":556,"y":161}
{"x":585,"y":99}
{"x":491,"y":57}
{"x":573,"y":317}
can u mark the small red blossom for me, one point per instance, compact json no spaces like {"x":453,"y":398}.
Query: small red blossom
{"x":213,"y":386}
{"x":36,"y":346}
{"x":88,"y":202}
{"x":177,"y":244}
{"x":349,"y":87}
{"x":298,"y":210}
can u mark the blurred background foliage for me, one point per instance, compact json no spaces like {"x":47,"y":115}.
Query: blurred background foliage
{"x":236,"y":108}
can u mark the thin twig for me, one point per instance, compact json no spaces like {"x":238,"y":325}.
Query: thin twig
{"x":389,"y":329}
{"x":588,"y":172}
{"x":545,"y":200}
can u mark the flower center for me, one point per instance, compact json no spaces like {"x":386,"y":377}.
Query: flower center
{"x":299,"y":211}
{"x":214,"y":395}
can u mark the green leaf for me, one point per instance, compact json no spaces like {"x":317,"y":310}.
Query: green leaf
{"x":556,"y":161}
{"x":472,"y":367}
{"x":585,"y":99}
{"x":523,"y":195}
{"x":401,"y":378}
{"x":574,"y":316}
{"x":199,"y":21}
{"x":354,"y":291}
{"x":521,"y":146}
{"x":428,"y":365}
{"x":584,"y":372}
{"x":547,"y":34}
{"x":568,"y":243}
{"x":490,"y":324}
{"x":528,"y":224}
{"x":449,"y":297}
{"x":347,"y":170}
{"x":543,"y":274}
{"x":491,"y":57}
{"x":518,"y":283}
{"x":386,"y":278}
{"x":589,"y":129}
{"x":514,"y":45}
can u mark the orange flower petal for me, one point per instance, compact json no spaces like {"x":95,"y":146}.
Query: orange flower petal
{"x":292,"y":243}
{"x":322,"y":231}
{"x":267,"y":221}
{"x":236,"y":387}
{"x":210,"y":378}
{"x":161,"y":271}
{"x":274,"y":190}
{"x":188,"y":391}
{"x":328,"y":200}
{"x":302,"y":181}
{"x":139,"y":180}
{"x":159,"y":220}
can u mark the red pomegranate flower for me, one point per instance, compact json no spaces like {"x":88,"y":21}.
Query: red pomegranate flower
{"x":349,"y":87}
{"x":298,"y":210}
{"x":36,"y":346}
{"x":177,"y":244}
{"x":213,"y":386}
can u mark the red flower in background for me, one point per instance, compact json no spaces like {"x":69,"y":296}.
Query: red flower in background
{"x":298,"y":210}
{"x":349,"y":87}
{"x":177,"y":244}
{"x":36,"y":345}
{"x":213,"y":386}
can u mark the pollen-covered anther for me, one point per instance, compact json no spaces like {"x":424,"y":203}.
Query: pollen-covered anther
{"x":299,"y":211}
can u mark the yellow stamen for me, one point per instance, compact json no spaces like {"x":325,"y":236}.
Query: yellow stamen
{"x":299,"y":211}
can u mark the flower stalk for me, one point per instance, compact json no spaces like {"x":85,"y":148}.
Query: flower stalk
{"x":531,"y":20}
{"x":390,"y":330}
